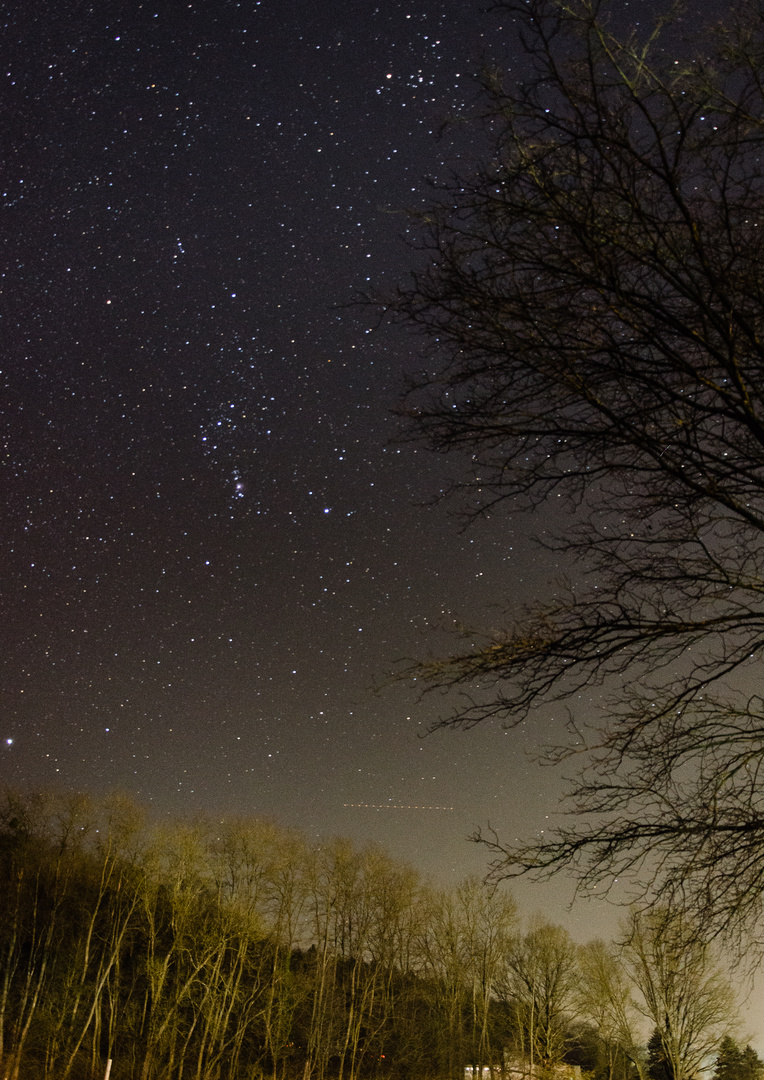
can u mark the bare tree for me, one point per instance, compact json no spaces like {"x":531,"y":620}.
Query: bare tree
{"x":463,"y":945}
{"x":593,"y":302}
{"x":682,"y":990}
{"x":488,"y":917}
{"x":605,"y":999}
{"x":444,"y":961}
{"x":539,"y":988}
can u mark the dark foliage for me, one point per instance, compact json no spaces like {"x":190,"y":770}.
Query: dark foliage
{"x":736,"y":1064}
{"x":658,"y":1064}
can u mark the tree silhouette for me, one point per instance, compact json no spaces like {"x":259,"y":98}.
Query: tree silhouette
{"x":733,"y":1063}
{"x":592,"y":307}
{"x":658,"y":1066}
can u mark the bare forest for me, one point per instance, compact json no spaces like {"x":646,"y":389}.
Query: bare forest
{"x":234,"y":948}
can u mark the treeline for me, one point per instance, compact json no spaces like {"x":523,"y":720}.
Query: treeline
{"x":235,"y":948}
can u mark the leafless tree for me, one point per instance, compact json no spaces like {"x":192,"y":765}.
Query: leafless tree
{"x":605,"y":999}
{"x":592,"y":306}
{"x":683,"y":992}
{"x":538,"y":986}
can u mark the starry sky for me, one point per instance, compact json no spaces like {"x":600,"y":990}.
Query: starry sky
{"x":213,"y":551}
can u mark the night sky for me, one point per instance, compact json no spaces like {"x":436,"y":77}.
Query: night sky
{"x":213,"y":552}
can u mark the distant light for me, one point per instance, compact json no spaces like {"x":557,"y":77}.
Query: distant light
{"x":327,"y":509}
{"x":9,"y":742}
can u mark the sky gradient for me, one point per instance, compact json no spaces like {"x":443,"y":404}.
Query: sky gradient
{"x":214,"y":553}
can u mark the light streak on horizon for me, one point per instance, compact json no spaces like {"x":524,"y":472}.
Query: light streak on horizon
{"x":391,"y":806}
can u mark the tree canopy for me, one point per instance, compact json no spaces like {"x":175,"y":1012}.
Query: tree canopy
{"x":592,"y":309}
